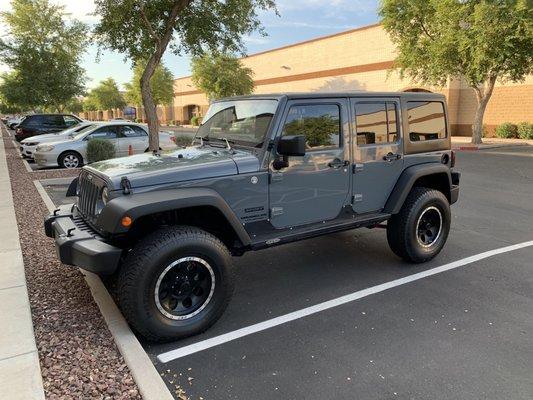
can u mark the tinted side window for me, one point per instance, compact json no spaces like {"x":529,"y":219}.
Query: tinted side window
{"x":320,"y":124}
{"x":54,"y":121}
{"x":33,"y":120}
{"x":133,"y":131}
{"x":107,"y":132}
{"x":426,"y":120}
{"x":70,"y":121}
{"x":376,"y":123}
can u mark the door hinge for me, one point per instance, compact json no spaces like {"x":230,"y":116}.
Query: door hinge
{"x":276,"y":211}
{"x":357,"y":198}
{"x":357,"y":167}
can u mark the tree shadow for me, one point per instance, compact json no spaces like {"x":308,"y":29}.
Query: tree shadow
{"x":340,"y":84}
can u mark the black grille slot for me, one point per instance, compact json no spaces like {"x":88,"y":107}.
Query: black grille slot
{"x":89,"y":193}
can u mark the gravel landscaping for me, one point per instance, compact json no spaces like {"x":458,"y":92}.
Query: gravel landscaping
{"x":78,"y":356}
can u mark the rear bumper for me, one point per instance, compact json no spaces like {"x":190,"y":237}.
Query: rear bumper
{"x":77,"y":244}
{"x":454,"y":192}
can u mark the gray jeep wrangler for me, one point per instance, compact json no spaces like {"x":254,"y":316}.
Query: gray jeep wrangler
{"x":262,"y":171}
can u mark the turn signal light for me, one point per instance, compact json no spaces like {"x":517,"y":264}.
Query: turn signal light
{"x":126,"y":221}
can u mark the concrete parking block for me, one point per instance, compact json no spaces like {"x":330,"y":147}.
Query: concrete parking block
{"x":11,"y":269}
{"x":20,"y":378}
{"x":15,"y":319}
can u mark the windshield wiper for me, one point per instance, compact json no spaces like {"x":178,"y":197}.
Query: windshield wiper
{"x":223,"y":139}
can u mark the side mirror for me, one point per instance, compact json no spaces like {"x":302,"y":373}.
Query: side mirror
{"x":292,"y":145}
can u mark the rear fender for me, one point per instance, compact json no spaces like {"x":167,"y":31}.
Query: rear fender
{"x":435,"y":175}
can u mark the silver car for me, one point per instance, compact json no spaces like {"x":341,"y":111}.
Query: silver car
{"x":28,"y":145}
{"x":127,"y":137}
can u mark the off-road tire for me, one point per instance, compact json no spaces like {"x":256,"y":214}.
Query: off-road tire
{"x":402,"y":227}
{"x":146,"y":262}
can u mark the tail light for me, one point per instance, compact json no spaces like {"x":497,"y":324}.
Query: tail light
{"x":18,"y":130}
{"x":452,"y":158}
{"x":173,"y":138}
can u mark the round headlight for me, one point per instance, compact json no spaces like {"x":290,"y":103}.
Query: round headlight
{"x":105,"y":196}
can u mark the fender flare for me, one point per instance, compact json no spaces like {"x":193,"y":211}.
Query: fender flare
{"x":408,"y":178}
{"x":137,"y":205}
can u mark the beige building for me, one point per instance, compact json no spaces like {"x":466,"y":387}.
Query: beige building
{"x":358,"y":59}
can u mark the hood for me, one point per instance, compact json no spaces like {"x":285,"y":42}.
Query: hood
{"x":180,"y":165}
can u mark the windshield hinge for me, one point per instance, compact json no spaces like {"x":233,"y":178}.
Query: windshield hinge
{"x":125,"y":185}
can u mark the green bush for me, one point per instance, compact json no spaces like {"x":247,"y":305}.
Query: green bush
{"x":99,"y":150}
{"x":525,"y":130}
{"x":182,"y":140}
{"x":196,"y":120}
{"x":507,"y":131}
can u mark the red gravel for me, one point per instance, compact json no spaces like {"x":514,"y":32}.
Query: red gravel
{"x":79,"y":359}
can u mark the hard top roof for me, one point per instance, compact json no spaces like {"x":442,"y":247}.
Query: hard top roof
{"x":355,"y":93}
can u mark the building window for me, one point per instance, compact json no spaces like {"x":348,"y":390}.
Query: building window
{"x":426,"y":120}
{"x":319,"y":123}
{"x":376,"y":123}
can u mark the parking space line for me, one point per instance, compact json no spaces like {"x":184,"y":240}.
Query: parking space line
{"x":283,"y":319}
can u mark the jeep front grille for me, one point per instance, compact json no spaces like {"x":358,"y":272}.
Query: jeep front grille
{"x":89,"y":192}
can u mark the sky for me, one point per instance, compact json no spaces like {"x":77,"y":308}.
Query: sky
{"x":298,"y":20}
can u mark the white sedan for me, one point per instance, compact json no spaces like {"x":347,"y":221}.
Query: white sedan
{"x":127,"y":137}
{"x":28,"y":145}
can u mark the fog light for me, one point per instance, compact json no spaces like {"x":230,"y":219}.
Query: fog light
{"x":126,"y":221}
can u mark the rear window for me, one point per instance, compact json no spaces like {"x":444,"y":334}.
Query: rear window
{"x":426,"y":120}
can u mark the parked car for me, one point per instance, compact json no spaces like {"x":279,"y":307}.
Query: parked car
{"x":14,"y":121}
{"x":40,"y":124}
{"x":72,"y":152}
{"x":303,"y":165}
{"x":28,"y":146}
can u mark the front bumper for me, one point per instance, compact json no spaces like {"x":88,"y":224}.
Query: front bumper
{"x":77,"y":244}
{"x":45,"y":159}
{"x":454,"y":191}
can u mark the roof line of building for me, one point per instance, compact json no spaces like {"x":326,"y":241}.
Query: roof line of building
{"x":361,"y":28}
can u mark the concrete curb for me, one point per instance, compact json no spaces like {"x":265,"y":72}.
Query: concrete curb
{"x":150,"y":383}
{"x":486,"y":147}
{"x":26,"y":165}
{"x":20,"y":372}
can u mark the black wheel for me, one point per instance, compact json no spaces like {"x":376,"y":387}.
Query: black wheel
{"x":70,"y":159}
{"x":419,"y":231}
{"x":175,"y":283}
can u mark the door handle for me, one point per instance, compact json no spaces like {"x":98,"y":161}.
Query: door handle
{"x":338,"y":163}
{"x":390,"y":157}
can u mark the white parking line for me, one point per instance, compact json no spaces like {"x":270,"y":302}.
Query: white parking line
{"x":283,"y":319}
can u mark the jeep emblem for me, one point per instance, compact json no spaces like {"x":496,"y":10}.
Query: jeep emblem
{"x":254,"y":180}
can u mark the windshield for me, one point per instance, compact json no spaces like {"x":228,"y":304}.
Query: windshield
{"x":243,"y":122}
{"x":82,"y":133}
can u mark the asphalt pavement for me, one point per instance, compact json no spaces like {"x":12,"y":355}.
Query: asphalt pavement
{"x":462,"y":334}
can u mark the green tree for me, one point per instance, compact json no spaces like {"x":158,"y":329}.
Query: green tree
{"x":143,"y":29}
{"x":107,"y":95}
{"x":90,"y":103}
{"x":45,"y":50}
{"x":74,"y":106}
{"x":479,"y":41}
{"x":12,"y":92}
{"x":221,"y":75}
{"x":161,"y":84}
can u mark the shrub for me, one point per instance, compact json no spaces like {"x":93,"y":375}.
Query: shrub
{"x":525,"y":130}
{"x":507,"y":131}
{"x":99,"y":150}
{"x":182,"y":140}
{"x":196,"y":120}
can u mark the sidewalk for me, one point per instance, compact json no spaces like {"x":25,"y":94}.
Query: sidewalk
{"x":463,"y":143}
{"x":20,"y":373}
